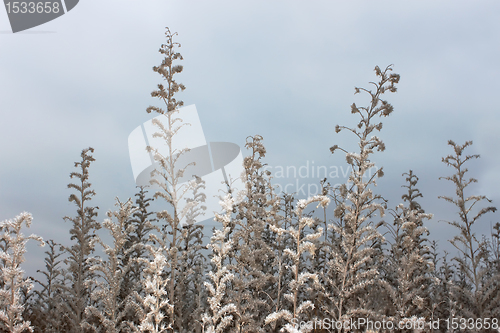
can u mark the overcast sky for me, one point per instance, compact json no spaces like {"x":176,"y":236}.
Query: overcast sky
{"x":283,"y":69}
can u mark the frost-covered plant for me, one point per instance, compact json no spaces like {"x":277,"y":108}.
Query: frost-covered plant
{"x":47,"y":304}
{"x":157,"y":275}
{"x":221,"y":311}
{"x":168,"y":175}
{"x":493,"y":275}
{"x":190,"y":273}
{"x":189,"y":286}
{"x":139,"y":224}
{"x":11,"y":274}
{"x":284,"y":218}
{"x":443,"y":302}
{"x":409,"y":263}
{"x":111,"y":311}
{"x":84,"y":226}
{"x":350,"y":264}
{"x":156,"y":302}
{"x":329,"y":237}
{"x":189,"y":289}
{"x":473,"y":251}
{"x":252,"y":255}
{"x":318,"y":263}
{"x":495,"y":248}
{"x":304,"y":243}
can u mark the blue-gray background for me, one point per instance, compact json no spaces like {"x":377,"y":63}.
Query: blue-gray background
{"x":282,"y":69}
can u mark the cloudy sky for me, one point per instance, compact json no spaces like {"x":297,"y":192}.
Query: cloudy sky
{"x":283,"y":69}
